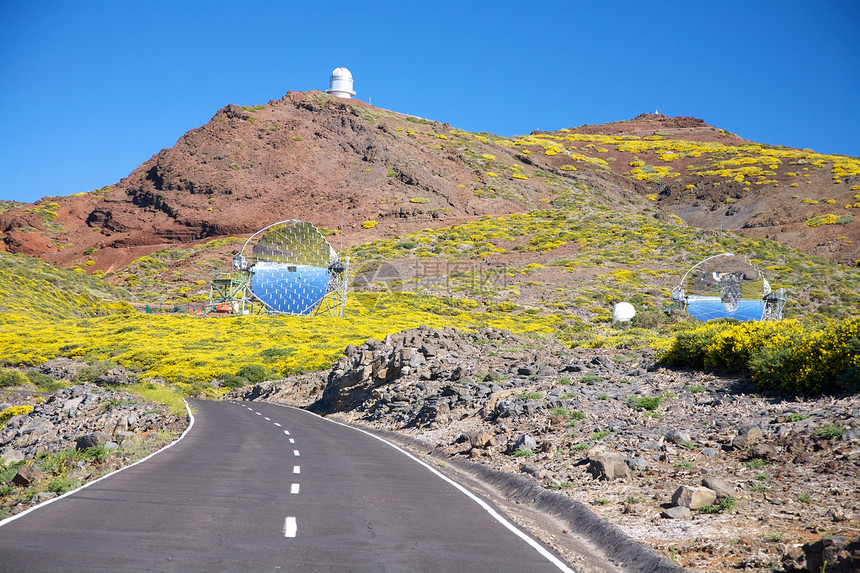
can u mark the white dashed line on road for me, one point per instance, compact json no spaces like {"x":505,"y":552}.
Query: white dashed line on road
{"x":268,"y":419}
{"x":297,"y":469}
{"x":277,"y":424}
{"x":294,"y":488}
{"x":292,"y":441}
{"x":290,"y":527}
{"x":296,"y":453}
{"x":286,"y":432}
{"x":259,"y":414}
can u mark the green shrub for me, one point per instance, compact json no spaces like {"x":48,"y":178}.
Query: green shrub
{"x":726,"y":504}
{"x":649,"y":403}
{"x":91,"y":373}
{"x":43,"y":381}
{"x":8,"y":472}
{"x":253,"y":373}
{"x":62,"y":484}
{"x":233,"y":382}
{"x":97,"y":453}
{"x":830,"y":432}
{"x":10,"y":378}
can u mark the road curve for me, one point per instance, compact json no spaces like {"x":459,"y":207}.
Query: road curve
{"x":260,"y":487}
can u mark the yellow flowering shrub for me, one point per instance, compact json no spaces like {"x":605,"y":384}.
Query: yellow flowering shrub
{"x":9,"y":413}
{"x":789,"y":355}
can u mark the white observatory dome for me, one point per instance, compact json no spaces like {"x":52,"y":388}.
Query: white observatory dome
{"x":340,"y":84}
{"x":623,"y":312}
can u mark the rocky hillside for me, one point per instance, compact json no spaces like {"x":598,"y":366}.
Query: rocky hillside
{"x":53,"y":442}
{"x":694,"y":465}
{"x":314,"y":157}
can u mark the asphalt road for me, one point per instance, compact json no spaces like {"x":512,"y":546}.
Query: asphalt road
{"x":258,"y":487}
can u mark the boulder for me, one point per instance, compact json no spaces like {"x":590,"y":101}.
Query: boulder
{"x":694,"y":497}
{"x":91,"y":440}
{"x":10,"y":457}
{"x":438,"y":413}
{"x":62,"y":368}
{"x":72,"y":404}
{"x":678,"y":437}
{"x":719,"y":486}
{"x":36,"y":425}
{"x":608,"y":466}
{"x":677,"y":512}
{"x":27,"y":475}
{"x":764,"y":451}
{"x":119,"y":376}
{"x":533,"y":470}
{"x":747,"y":437}
{"x":525,"y":442}
{"x":838,"y":554}
{"x":481,"y":439}
{"x":638,"y":464}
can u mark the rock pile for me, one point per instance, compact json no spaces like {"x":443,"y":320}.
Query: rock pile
{"x":436,"y":371}
{"x":699,"y":466}
{"x":34,"y":443}
{"x":70,"y":369}
{"x":72,"y":414}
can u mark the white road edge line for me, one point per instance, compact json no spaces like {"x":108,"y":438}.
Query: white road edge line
{"x":495,"y":515}
{"x":290,"y":527}
{"x":268,"y":419}
{"x":88,"y":484}
{"x":294,"y":488}
{"x":297,"y":469}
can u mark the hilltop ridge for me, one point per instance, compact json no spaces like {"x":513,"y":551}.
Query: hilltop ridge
{"x":384,"y":174}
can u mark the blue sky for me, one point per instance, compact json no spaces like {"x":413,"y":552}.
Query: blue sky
{"x":90,"y":90}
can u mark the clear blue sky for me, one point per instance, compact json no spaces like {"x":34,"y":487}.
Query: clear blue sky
{"x":92,"y":89}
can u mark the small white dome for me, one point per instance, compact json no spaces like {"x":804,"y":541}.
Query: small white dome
{"x":340,"y":84}
{"x":623,"y":312}
{"x":341,"y":73}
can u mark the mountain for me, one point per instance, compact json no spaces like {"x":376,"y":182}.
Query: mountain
{"x":382,"y":174}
